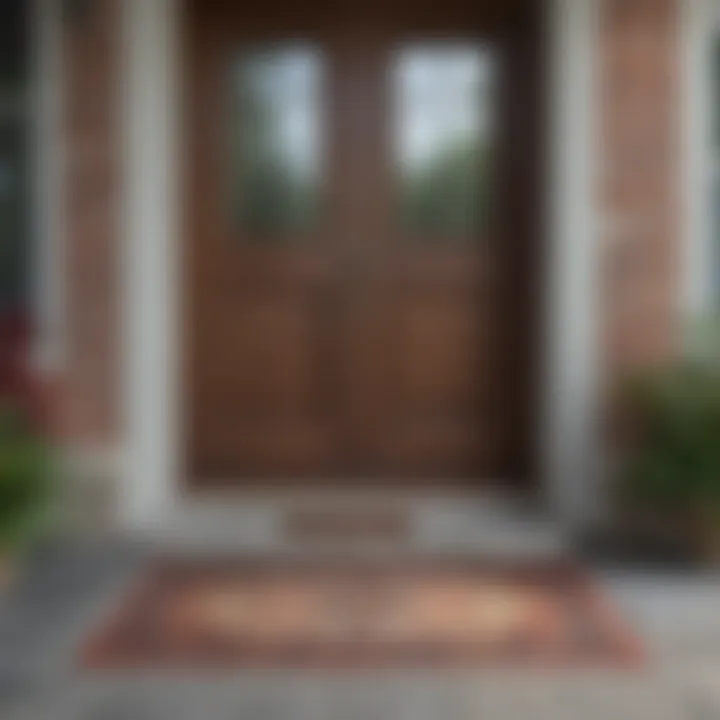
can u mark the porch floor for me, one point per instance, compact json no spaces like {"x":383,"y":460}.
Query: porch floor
{"x":360,"y":523}
{"x":68,"y":587}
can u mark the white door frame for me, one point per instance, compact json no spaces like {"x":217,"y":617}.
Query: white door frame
{"x":151,"y":267}
{"x":700,"y":33}
{"x":151,"y":315}
{"x":569,"y":429}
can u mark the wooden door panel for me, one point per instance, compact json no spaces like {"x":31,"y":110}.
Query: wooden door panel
{"x":269,"y":357}
{"x":283,"y":451}
{"x":438,"y":386}
{"x":451,"y":452}
{"x":265,"y":408}
{"x":358,"y":348}
{"x":262,"y":298}
{"x":440,"y":355}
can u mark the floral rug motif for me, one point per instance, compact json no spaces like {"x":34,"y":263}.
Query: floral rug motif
{"x":324,"y":616}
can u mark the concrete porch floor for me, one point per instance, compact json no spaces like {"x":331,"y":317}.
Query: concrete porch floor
{"x":437,"y":524}
{"x":67,"y":587}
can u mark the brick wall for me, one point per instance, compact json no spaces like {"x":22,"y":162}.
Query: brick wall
{"x":640,"y":198}
{"x":92,"y":117}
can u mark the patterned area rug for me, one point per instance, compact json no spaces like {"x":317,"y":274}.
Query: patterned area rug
{"x":188,"y":615}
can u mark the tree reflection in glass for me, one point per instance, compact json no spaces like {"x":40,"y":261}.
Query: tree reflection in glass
{"x":276,"y":141}
{"x":443,"y":128}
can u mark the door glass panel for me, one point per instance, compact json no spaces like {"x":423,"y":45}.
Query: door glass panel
{"x":443,"y":126}
{"x":276,"y":142}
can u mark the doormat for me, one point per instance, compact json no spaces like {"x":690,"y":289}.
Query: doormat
{"x":185,"y":615}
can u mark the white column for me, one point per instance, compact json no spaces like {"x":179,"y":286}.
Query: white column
{"x":701,"y":164}
{"x":150,"y":259}
{"x":569,"y":421}
{"x":46,"y":119}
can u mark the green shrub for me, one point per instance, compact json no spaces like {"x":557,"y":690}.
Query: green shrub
{"x":25,"y":480}
{"x":674,"y":462}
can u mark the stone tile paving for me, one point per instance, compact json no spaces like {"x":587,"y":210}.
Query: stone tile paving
{"x":275,"y":696}
{"x":64,"y":588}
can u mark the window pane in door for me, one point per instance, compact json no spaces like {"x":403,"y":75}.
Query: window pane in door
{"x":276,"y":141}
{"x":443,"y":127}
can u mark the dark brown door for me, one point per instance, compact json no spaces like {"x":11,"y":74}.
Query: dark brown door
{"x":350,"y":313}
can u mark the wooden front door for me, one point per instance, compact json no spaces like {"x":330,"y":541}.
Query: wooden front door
{"x":358,"y":291}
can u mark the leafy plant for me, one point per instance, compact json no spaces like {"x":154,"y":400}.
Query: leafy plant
{"x":25,"y":479}
{"x":674,"y":463}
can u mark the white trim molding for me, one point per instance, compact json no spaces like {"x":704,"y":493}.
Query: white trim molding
{"x":150,"y":259}
{"x":701,"y":166}
{"x":569,"y":426}
{"x":48,"y":276}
